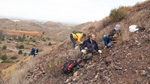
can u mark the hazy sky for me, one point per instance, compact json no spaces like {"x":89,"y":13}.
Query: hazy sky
{"x":74,"y":11}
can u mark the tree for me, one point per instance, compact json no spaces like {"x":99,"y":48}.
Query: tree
{"x":1,"y":36}
{"x":20,"y":52}
{"x":4,"y":47}
{"x":50,"y":44}
{"x":4,"y":57}
{"x":24,"y":37}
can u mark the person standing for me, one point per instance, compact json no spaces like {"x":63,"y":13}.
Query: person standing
{"x":34,"y":51}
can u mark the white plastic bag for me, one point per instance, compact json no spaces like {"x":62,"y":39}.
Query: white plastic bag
{"x":133,"y":28}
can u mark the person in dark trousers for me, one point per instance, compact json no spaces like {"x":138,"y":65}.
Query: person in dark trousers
{"x":34,"y":51}
{"x":76,"y":37}
{"x":111,"y":37}
{"x":88,"y":47}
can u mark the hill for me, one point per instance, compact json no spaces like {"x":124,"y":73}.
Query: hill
{"x":129,"y":58}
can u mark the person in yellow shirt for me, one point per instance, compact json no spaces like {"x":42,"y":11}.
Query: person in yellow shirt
{"x":76,"y":36}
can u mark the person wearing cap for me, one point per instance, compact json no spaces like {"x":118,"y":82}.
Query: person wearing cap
{"x":76,"y":37}
{"x":89,"y":46}
{"x":111,"y":37}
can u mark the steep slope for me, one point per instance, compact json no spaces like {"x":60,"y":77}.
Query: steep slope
{"x":124,"y":63}
{"x":127,"y":62}
{"x":129,"y":58}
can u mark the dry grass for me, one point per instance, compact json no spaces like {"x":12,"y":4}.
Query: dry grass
{"x":18,"y":76}
{"x":15,"y":74}
{"x":6,"y":73}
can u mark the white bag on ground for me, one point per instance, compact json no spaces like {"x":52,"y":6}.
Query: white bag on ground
{"x":133,"y":28}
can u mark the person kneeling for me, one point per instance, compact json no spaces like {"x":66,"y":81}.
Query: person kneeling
{"x":108,"y":41}
{"x":88,"y":47}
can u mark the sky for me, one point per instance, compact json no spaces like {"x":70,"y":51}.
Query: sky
{"x":67,"y":11}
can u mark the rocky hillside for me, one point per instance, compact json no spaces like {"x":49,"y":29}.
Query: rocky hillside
{"x":127,"y":62}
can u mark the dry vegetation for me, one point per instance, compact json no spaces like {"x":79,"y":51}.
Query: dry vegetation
{"x":118,"y":14}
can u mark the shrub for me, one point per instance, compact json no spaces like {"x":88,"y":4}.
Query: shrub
{"x":6,"y":61}
{"x":118,"y":14}
{"x":13,"y":58}
{"x":54,"y":67}
{"x":25,"y":54}
{"x":50,"y":44}
{"x":8,"y":42}
{"x":10,"y":39}
{"x":20,"y":39}
{"x":4,"y":57}
{"x":48,"y":38}
{"x":20,"y":46}
{"x":43,"y":39}
{"x":34,"y":40}
{"x":20,"y":52}
{"x":4,"y":47}
{"x":43,"y":32}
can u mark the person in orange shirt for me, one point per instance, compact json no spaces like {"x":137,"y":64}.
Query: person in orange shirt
{"x":76,"y":37}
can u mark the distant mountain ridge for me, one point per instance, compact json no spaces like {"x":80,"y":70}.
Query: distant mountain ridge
{"x":57,"y":31}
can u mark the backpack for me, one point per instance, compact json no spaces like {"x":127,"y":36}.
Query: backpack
{"x":68,"y":66}
{"x":74,"y":32}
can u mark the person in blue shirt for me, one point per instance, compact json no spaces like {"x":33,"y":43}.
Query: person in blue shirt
{"x":34,"y":51}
